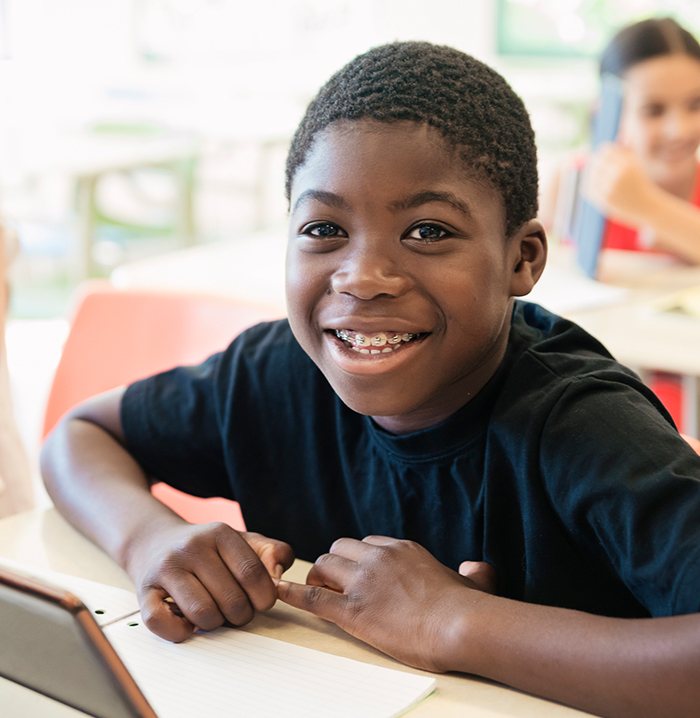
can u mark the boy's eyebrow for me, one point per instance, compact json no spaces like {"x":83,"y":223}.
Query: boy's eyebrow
{"x":416,"y":200}
{"x":329,"y":198}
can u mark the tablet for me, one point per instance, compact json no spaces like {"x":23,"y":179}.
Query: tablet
{"x":52,"y":644}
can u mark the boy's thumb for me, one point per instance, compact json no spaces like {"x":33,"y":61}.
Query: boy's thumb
{"x":276,"y":556}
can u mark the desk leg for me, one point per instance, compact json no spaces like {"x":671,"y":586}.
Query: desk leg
{"x":85,"y":208}
{"x":185,"y":223}
{"x":691,"y":405}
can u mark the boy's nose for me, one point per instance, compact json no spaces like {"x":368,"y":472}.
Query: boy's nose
{"x":367,"y":274}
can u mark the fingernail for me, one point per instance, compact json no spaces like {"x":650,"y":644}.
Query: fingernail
{"x":278,"y":571}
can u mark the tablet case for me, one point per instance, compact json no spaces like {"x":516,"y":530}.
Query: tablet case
{"x":51,"y":643}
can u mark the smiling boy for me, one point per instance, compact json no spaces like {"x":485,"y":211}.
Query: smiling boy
{"x":410,"y":420}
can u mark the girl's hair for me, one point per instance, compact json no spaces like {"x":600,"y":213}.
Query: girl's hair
{"x":471,"y":105}
{"x":644,"y":40}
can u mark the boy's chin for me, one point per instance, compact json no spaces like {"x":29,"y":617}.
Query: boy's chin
{"x":375,"y":406}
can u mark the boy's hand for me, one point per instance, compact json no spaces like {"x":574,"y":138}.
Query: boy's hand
{"x":393,"y":595}
{"x":202,"y":576}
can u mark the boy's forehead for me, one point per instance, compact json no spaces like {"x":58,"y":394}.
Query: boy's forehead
{"x":400,"y":166}
{"x":366,"y":142}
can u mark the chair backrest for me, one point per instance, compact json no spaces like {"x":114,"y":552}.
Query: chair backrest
{"x":117,"y":336}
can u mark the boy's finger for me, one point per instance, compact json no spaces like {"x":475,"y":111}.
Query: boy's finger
{"x":232,"y":598}
{"x":379,"y":540}
{"x":249,"y":571}
{"x":322,"y":602}
{"x":161,"y":615}
{"x":271,"y":552}
{"x":332,"y":571}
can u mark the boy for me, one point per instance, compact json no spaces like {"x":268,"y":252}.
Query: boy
{"x":416,"y":419}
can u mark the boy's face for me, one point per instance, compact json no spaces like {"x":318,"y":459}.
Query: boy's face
{"x":399,"y":277}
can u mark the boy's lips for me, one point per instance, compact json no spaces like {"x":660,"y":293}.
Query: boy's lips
{"x":371,"y":352}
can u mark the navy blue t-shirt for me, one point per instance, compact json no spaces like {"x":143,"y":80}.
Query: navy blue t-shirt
{"x":564,"y":472}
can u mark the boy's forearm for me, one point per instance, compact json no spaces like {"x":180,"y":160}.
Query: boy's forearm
{"x":99,"y":487}
{"x":608,"y":666}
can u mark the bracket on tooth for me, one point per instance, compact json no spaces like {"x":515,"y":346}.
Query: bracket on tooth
{"x":376,"y":340}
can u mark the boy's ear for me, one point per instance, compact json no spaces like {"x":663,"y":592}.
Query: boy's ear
{"x":528,"y":252}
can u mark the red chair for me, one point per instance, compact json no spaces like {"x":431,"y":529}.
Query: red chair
{"x":118,"y":336}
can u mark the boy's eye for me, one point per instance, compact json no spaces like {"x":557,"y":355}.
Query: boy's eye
{"x":323,"y":229}
{"x":427,"y":232}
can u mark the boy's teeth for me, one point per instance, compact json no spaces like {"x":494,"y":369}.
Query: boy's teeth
{"x":380,"y":339}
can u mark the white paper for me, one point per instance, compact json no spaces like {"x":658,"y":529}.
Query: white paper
{"x":233,"y":672}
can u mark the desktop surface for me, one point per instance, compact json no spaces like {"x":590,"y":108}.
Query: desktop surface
{"x":43,"y":539}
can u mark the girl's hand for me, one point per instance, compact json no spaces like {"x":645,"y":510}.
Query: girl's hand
{"x":615,"y":182}
{"x":202,"y":576}
{"x":393,"y":595}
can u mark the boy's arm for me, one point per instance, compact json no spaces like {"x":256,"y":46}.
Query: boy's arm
{"x":212,"y":573}
{"x":395,"y":596}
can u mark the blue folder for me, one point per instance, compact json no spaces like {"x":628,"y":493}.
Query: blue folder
{"x":589,"y":223}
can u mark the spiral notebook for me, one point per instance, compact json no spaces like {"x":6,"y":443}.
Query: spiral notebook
{"x":83,"y":643}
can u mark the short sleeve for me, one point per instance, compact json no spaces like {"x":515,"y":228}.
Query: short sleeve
{"x":627,"y":487}
{"x":172,"y":428}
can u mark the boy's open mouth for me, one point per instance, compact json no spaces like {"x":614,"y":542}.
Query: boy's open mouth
{"x":378,"y":342}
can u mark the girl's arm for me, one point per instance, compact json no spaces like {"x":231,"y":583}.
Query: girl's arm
{"x":616,"y":183}
{"x":395,"y":596}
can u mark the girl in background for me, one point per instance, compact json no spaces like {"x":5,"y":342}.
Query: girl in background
{"x":647,"y":182}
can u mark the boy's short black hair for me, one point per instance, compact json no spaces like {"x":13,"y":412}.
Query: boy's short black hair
{"x":470,"y":104}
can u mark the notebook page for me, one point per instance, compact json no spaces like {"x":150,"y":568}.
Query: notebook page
{"x":685,"y":302}
{"x":106,"y":603}
{"x":233,"y":672}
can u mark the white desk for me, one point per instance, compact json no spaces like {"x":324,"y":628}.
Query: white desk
{"x":44,"y":539}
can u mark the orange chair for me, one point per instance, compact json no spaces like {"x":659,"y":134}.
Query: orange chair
{"x":118,"y":336}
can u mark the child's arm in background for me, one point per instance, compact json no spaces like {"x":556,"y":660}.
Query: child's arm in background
{"x":398,"y":598}
{"x":213,"y":573}
{"x":616,"y":183}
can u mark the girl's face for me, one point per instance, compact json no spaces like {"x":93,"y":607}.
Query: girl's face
{"x":399,"y":276}
{"x":661,"y":118}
